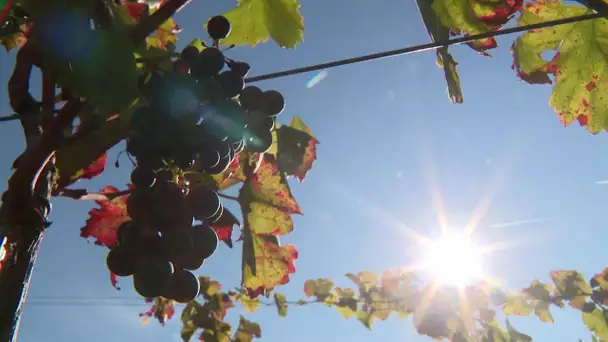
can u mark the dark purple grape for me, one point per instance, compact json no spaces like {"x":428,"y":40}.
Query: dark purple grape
{"x":190,"y":261}
{"x":181,"y":67}
{"x":259,"y":141}
{"x":210,"y":62}
{"x":251,"y":97}
{"x":189,"y":55}
{"x":217,"y":215}
{"x":207,"y":158}
{"x":121,"y":262}
{"x":138,"y":205}
{"x":218,"y":27}
{"x":258,"y":121}
{"x":177,"y":241}
{"x":220,"y":167}
{"x":241,"y":68}
{"x":274,"y":103}
{"x":205,"y":240}
{"x":203,"y":202}
{"x":129,"y":234}
{"x":232,"y":83}
{"x":184,"y":287}
{"x":238,"y":146}
{"x":153,"y":276}
{"x":143,"y":177}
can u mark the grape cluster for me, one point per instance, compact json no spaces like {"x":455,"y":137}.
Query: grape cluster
{"x":160,"y":246}
{"x":196,"y":117}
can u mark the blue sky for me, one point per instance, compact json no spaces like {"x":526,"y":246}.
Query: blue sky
{"x":387,"y":132}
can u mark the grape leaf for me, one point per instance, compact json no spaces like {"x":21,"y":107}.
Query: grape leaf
{"x":224,"y":225}
{"x":89,"y":172}
{"x":347,"y":303}
{"x":320,"y":288}
{"x":597,"y":323}
{"x":165,"y":35}
{"x":601,"y":280}
{"x":364,"y":279}
{"x":162,"y":310}
{"x":438,"y":32}
{"x":280,"y":302}
{"x":255,"y":21}
{"x":572,"y":287}
{"x":578,"y":64}
{"x":472,"y":17}
{"x":518,"y":305}
{"x":297,"y":148}
{"x":105,"y":220}
{"x":247,"y":331}
{"x":209,"y":287}
{"x":266,"y":263}
{"x":516,"y":336}
{"x":248,"y":303}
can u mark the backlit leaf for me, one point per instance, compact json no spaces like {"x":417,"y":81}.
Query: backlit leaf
{"x":596,"y":322}
{"x":297,"y":148}
{"x":366,"y":317}
{"x":266,"y":263}
{"x":572,"y":286}
{"x":470,"y":17}
{"x":281,"y":303}
{"x":364,"y":279}
{"x":248,"y":303}
{"x":105,"y":220}
{"x":209,"y":287}
{"x":516,"y":336}
{"x":439,"y":32}
{"x":247,"y":331}
{"x":320,"y":288}
{"x":165,"y":35}
{"x":347,"y":303}
{"x":162,"y":310}
{"x":224,"y":225}
{"x":518,"y":306}
{"x":255,"y":21}
{"x":577,"y":66}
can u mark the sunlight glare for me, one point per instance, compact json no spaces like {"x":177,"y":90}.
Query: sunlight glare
{"x":454,"y":260}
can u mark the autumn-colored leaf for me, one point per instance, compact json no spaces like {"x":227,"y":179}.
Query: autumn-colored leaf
{"x":224,"y":225}
{"x":320,"y":288}
{"x":364,"y":279}
{"x":266,"y":263}
{"x":597,"y":323}
{"x":248,"y":303}
{"x":209,"y":287}
{"x":162,"y":310}
{"x":105,"y":220}
{"x":247,"y":331}
{"x":518,"y":305}
{"x":297,"y":148}
{"x":516,"y":336}
{"x":578,"y":62}
{"x":165,"y":35}
{"x":601,"y":280}
{"x":470,"y":17}
{"x":347,"y":303}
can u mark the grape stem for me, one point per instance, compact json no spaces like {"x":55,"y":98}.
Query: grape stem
{"x":232,"y":198}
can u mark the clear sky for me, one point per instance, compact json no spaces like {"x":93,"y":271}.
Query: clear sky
{"x":388,"y":132}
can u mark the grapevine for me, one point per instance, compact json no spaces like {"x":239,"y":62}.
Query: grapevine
{"x":194,"y":126}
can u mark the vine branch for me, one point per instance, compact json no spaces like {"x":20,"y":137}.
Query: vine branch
{"x":147,"y":25}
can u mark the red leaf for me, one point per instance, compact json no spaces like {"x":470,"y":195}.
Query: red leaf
{"x":136,"y":10}
{"x":223,"y":227}
{"x":114,"y":281}
{"x":96,"y":168}
{"x":103,"y":221}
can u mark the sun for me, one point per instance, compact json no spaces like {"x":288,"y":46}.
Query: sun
{"x":454,"y":260}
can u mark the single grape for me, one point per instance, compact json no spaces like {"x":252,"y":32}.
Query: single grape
{"x":210,"y":62}
{"x":151,"y":242}
{"x":218,"y":27}
{"x":274,"y":103}
{"x":143,"y":177}
{"x":241,"y":68}
{"x":232,"y":83}
{"x":238,"y":146}
{"x":138,"y":205}
{"x":220,"y":167}
{"x":259,"y":142}
{"x":205,"y":240}
{"x":177,"y":241}
{"x":184,"y":287}
{"x":153,"y":276}
{"x":129,"y":234}
{"x":190,"y":261}
{"x":168,"y":205}
{"x":217,"y":215}
{"x":181,"y":67}
{"x":223,"y":149}
{"x":189,"y":55}
{"x":258,"y":121}
{"x":207,"y":158}
{"x":121,"y":262}
{"x":203,"y":202}
{"x":251,"y":97}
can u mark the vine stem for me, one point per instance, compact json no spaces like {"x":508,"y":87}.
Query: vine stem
{"x":425,"y":47}
{"x":147,"y":25}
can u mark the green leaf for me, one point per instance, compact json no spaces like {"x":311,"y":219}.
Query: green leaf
{"x":364,"y":279}
{"x":596,"y":323}
{"x":281,"y":303}
{"x":248,"y":303}
{"x":366,"y":317}
{"x":347,"y":302}
{"x":255,"y":21}
{"x":518,"y":305}
{"x":320,"y":288}
{"x":572,"y":286}
{"x":516,"y":336}
{"x":493,"y":333}
{"x":578,"y":65}
{"x":247,"y":331}
{"x":297,"y":148}
{"x":439,"y":32}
